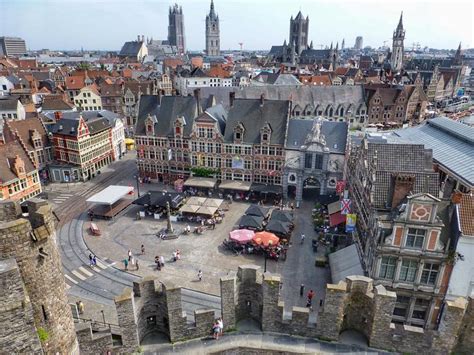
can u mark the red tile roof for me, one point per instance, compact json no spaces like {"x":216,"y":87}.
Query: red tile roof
{"x":74,"y":82}
{"x":466,"y":214}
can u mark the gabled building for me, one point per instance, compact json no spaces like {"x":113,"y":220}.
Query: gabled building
{"x":81,"y":147}
{"x":19,"y":179}
{"x":88,"y":99}
{"x":402,"y":227}
{"x":73,"y":85}
{"x":33,"y":137}
{"x":11,"y":108}
{"x":134,"y":50}
{"x":111,"y":97}
{"x":314,"y":156}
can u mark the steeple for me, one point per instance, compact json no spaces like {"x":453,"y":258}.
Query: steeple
{"x":311,"y":45}
{"x":400,"y":23}
{"x":343,"y":43}
{"x":212,"y":13}
{"x":337,"y":46}
{"x":330,"y":48}
{"x":458,"y":55}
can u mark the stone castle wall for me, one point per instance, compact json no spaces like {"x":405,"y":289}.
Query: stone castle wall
{"x":353,"y":304}
{"x":17,"y":327}
{"x":31,"y":242}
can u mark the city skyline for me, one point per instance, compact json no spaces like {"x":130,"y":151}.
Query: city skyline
{"x":329,"y":22}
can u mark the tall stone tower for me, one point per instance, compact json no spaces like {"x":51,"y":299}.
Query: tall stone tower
{"x":299,"y":31}
{"x":30,"y":246}
{"x":213,"y":44}
{"x":176,"y":28}
{"x":397,"y":46}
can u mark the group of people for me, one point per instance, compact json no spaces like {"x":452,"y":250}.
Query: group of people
{"x":217,"y":328}
{"x":159,"y":261}
{"x":131,"y":260}
{"x":92,"y":260}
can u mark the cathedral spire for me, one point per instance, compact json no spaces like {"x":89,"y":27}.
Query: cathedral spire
{"x":311,"y":45}
{"x":400,"y":23}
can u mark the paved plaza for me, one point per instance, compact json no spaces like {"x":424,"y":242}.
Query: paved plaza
{"x":205,"y":252}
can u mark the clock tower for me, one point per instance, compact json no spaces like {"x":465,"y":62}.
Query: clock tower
{"x":396,"y":59}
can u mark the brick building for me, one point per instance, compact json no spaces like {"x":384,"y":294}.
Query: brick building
{"x":394,"y":104}
{"x":246,"y":143}
{"x":19,"y":179}
{"x":32,"y":135}
{"x":111,"y":97}
{"x":81,"y":147}
{"x":402,"y":227}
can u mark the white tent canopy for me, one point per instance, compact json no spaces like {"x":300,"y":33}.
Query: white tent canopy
{"x":110,"y":195}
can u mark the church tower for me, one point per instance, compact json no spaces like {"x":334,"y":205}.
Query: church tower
{"x":176,"y":28}
{"x":397,"y":47}
{"x":299,"y":30}
{"x":212,"y":33}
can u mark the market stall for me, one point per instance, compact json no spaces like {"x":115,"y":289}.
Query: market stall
{"x":110,"y":201}
{"x":258,"y":211}
{"x":266,"y":239}
{"x":242,"y":236}
{"x":251,"y":222}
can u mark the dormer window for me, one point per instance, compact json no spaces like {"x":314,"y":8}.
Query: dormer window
{"x":238,"y":135}
{"x":265,"y":137}
{"x":177,"y":131}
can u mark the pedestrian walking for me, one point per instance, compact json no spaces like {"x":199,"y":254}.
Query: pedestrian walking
{"x":221,"y":325}
{"x":125,"y":262}
{"x":143,"y":249}
{"x":136,"y":265}
{"x":132,"y":261}
{"x":200,"y":275}
{"x":91,"y":262}
{"x":302,"y":238}
{"x":301,"y":290}
{"x":80,"y":307}
{"x":215,"y":330}
{"x":94,"y":260}
{"x":129,"y":255}
{"x":162,"y":261}
{"x":309,"y":303}
{"x":157,"y":262}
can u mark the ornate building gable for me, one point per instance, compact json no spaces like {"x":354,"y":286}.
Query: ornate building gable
{"x":179,"y":124}
{"x":265,"y":133}
{"x":239,"y":131}
{"x":82,"y":129}
{"x":422,"y":207}
{"x":150,"y":122}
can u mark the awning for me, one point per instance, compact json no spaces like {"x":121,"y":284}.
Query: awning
{"x":345,"y":262}
{"x":198,"y":201}
{"x":258,"y":211}
{"x":200,"y":182}
{"x":266,"y":239}
{"x":266,"y":189}
{"x":235,"y":185}
{"x":241,"y":235}
{"x":213,"y":202}
{"x":334,"y":207}
{"x":250,"y":222}
{"x":283,"y":216}
{"x":207,"y":211}
{"x":336,"y":219}
{"x":189,"y":209}
{"x":278,"y":227}
{"x":129,"y":141}
{"x":110,"y":195}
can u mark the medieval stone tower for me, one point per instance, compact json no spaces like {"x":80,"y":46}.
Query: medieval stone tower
{"x":299,"y":32}
{"x":35,"y":313}
{"x":397,"y":46}
{"x":213,"y":44}
{"x":176,"y":28}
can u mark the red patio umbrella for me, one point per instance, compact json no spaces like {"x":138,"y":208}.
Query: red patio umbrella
{"x":266,"y":239}
{"x":241,"y":235}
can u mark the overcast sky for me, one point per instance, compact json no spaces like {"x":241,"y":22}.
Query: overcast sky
{"x":106,"y":24}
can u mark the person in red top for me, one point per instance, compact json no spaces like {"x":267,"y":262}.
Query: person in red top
{"x":310,"y":294}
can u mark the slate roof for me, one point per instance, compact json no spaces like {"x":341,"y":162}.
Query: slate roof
{"x":8,"y":104}
{"x":166,"y":113}
{"x":8,"y":152}
{"x":253,"y":116}
{"x":219,"y":114}
{"x":301,"y":95}
{"x":335,"y":134}
{"x":130,"y":49}
{"x":466,"y":214}
{"x":277,"y":79}
{"x":69,"y":123}
{"x":315,"y":54}
{"x":401,"y":158}
{"x":452,"y":144}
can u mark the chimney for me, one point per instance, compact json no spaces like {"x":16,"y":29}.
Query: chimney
{"x":197,"y":96}
{"x":138,"y":38}
{"x":402,"y":186}
{"x":58,"y":115}
{"x":262,"y":99}
{"x":231,"y":98}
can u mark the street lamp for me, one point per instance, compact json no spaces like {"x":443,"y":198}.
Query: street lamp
{"x":265,"y":262}
{"x":138,"y":184}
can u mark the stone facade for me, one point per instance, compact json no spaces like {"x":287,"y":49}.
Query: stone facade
{"x":31,"y":242}
{"x":18,"y":332}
